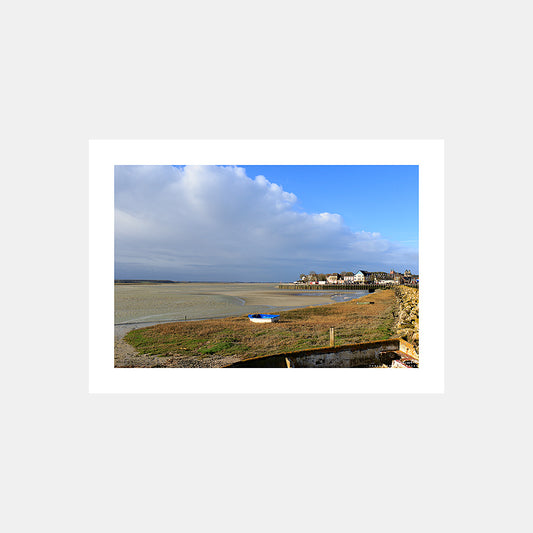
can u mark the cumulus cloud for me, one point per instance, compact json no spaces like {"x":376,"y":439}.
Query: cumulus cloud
{"x":217,"y":223}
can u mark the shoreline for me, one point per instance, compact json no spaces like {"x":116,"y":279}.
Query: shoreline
{"x":252,"y":302}
{"x":212,"y":342}
{"x":122,"y":329}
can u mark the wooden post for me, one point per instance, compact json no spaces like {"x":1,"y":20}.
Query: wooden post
{"x":332,"y":336}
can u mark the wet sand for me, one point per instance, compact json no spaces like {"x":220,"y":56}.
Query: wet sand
{"x":143,"y":305}
{"x":206,"y":333}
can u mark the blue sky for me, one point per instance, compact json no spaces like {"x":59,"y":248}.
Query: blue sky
{"x":263,"y":223}
{"x":374,"y":198}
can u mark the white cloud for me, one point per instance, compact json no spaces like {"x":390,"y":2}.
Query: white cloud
{"x":206,"y":222}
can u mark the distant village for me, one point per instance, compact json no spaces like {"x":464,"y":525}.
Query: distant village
{"x":362,"y":277}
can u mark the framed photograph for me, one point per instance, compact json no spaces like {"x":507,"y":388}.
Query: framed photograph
{"x":266,"y":266}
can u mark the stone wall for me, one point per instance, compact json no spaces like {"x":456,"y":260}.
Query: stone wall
{"x":407,"y":323}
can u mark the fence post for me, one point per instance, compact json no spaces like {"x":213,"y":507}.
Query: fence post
{"x":332,"y":336}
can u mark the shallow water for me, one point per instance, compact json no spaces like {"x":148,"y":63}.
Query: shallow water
{"x":148,"y":304}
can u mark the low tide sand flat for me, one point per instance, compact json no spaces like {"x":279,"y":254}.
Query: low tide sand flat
{"x":142,"y":305}
{"x":219,"y":342}
{"x":149,"y":304}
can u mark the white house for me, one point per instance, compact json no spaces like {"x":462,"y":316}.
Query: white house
{"x":362,"y":276}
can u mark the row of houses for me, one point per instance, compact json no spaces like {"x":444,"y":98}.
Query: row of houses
{"x":366,"y":277}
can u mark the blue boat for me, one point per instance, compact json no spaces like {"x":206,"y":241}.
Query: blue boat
{"x":263,"y":319}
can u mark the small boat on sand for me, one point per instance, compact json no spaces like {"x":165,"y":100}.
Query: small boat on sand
{"x":263,"y":319}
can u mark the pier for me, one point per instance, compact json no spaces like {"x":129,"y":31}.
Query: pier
{"x":334,"y":287}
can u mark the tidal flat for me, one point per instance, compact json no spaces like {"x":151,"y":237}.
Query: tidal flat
{"x":144,"y":304}
{"x":219,"y":342}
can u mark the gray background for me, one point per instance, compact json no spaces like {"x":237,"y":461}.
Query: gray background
{"x":206,"y":70}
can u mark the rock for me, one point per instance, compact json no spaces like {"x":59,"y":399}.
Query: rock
{"x":408,"y":319}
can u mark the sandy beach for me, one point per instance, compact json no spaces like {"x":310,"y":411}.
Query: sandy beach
{"x":219,"y":342}
{"x":140,"y":305}
{"x":143,"y":305}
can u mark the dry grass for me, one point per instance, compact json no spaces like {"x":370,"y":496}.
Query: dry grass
{"x":299,"y":329}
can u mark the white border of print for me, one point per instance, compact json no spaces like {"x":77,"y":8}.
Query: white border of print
{"x":105,"y":154}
